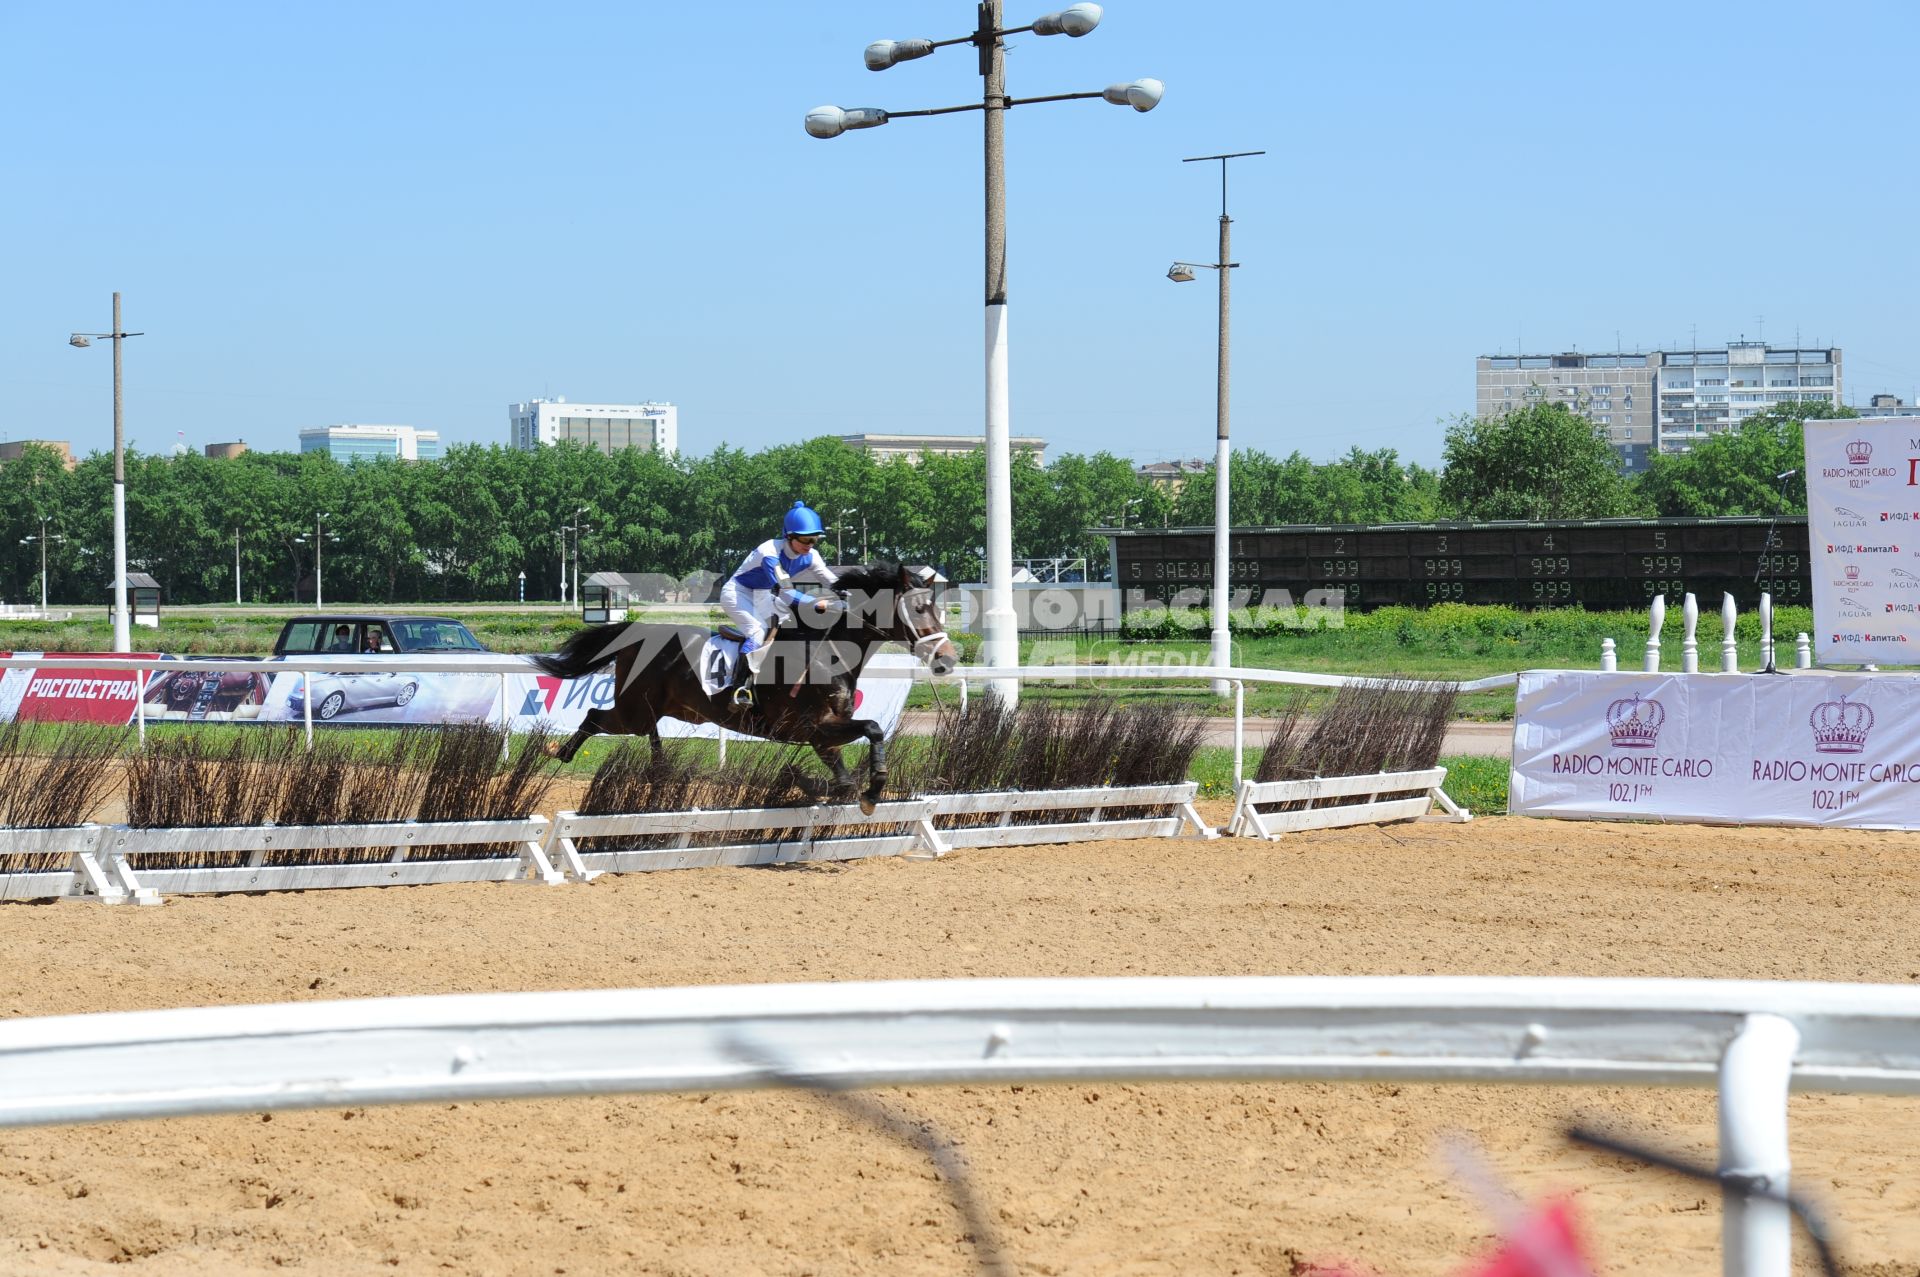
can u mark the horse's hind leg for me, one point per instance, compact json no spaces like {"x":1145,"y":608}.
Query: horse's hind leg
{"x":876,"y":763}
{"x":841,"y":783}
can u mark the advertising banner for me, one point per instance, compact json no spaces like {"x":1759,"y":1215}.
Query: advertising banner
{"x":563,"y":703}
{"x":361,"y":697}
{"x":1800,"y":749}
{"x":90,"y":693}
{"x":1863,"y":531}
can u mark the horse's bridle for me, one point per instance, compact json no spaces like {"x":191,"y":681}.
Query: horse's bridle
{"x":935,"y":637}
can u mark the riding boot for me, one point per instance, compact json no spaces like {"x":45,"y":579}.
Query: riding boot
{"x":745,"y":670}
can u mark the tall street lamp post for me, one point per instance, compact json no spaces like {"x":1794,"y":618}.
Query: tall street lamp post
{"x":841,"y":526}
{"x":42,"y":538}
{"x":1221,"y":655}
{"x":236,"y":563}
{"x":578,"y":528}
{"x":319,"y":599}
{"x":1002,"y":646}
{"x":122,"y":638}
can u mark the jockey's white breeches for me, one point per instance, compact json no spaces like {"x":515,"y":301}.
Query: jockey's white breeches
{"x":751,"y":611}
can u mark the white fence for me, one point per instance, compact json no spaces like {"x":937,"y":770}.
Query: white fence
{"x":916,"y":827}
{"x":1752,"y":1040}
{"x":1367,"y":802}
{"x":120,"y":864}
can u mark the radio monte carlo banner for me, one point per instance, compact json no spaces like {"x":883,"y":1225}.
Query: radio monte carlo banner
{"x":1798,"y":749}
{"x":1863,"y":531}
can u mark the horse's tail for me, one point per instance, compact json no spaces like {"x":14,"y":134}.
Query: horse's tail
{"x":585,"y":652}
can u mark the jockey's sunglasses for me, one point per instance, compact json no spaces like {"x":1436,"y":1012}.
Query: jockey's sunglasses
{"x":804,"y":540}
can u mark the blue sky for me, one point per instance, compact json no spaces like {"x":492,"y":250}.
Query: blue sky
{"x":420,"y":213}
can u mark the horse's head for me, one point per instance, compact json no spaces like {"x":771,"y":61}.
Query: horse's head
{"x":895,"y":602}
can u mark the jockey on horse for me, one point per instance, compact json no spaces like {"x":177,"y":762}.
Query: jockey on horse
{"x":761,"y":594}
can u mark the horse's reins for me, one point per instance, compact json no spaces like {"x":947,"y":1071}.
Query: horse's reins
{"x":900,"y":607}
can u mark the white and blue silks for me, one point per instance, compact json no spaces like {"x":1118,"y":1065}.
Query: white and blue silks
{"x":762,"y":590}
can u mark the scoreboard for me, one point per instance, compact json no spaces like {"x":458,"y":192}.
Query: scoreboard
{"x":1599,"y":564}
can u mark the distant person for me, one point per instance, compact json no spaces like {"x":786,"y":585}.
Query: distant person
{"x":342,"y":639}
{"x":373,"y":639}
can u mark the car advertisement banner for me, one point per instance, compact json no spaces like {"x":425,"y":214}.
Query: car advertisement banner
{"x":881,"y":695}
{"x":1799,"y":749}
{"x":202,"y":696}
{"x":13,"y":685}
{"x":90,"y":693}
{"x":398,"y":696}
{"x":1863,"y":528}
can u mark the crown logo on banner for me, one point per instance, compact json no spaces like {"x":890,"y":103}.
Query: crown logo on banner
{"x":1859,"y":452}
{"x":1840,"y":727}
{"x":1635,"y":724}
{"x":1853,"y":571}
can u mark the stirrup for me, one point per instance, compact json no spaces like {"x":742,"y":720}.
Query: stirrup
{"x":743,"y":695}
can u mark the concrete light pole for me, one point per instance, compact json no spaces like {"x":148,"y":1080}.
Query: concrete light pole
{"x":122,"y":636}
{"x":1002,"y":645}
{"x":1221,"y":648}
{"x":42,"y":538}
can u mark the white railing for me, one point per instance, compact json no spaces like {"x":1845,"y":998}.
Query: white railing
{"x":1237,"y":676}
{"x":1753,"y":1040}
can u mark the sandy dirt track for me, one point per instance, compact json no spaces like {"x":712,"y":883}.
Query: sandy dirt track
{"x":1081,"y":1179}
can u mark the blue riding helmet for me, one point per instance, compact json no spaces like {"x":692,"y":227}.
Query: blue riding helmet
{"x":802,"y":522}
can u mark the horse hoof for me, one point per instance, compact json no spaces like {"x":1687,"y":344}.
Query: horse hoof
{"x":866,"y":805}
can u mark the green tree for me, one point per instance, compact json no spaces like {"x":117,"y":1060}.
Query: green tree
{"x":1540,"y":462}
{"x":1738,"y":471}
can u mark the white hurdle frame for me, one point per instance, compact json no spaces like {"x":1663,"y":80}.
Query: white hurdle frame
{"x":121,"y":847}
{"x":89,"y":872}
{"x":1249,"y":821}
{"x":571,"y":826}
{"x":924,"y":839}
{"x":1752,"y":1040}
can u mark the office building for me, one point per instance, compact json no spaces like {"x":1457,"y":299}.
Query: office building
{"x":1171,"y":476}
{"x":1663,"y":400}
{"x":369,"y":443}
{"x":1615,"y":392}
{"x":604,"y":427}
{"x":1706,"y":391}
{"x":914,"y":447}
{"x":15,"y":450}
{"x":1888,"y":406}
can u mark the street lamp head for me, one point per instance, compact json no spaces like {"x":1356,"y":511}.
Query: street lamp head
{"x":81,"y":340}
{"x":1180,"y":273}
{"x":1141,"y":95}
{"x":832,"y":121}
{"x":882,"y":54}
{"x":1074,"y":20}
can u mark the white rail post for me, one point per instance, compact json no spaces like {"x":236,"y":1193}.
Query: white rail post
{"x":1239,"y":728}
{"x":1802,"y":651}
{"x":306,"y":702}
{"x":1609,"y":659}
{"x":506,"y":723}
{"x":963,"y":697}
{"x":1729,"y":646}
{"x":721,"y":739}
{"x":140,"y":709}
{"x":1766,"y":631}
{"x":1689,"y":642}
{"x":1756,"y":1237}
{"x":1656,"y":617}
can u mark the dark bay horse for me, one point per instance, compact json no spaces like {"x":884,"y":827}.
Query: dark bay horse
{"x":805,"y":692}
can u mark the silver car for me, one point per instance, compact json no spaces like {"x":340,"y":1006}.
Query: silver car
{"x":345,"y":692}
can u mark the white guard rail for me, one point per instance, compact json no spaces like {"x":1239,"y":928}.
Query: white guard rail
{"x":1753,"y":1040}
{"x":1238,"y":676}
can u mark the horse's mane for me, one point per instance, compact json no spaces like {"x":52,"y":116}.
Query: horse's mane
{"x":870,"y":578}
